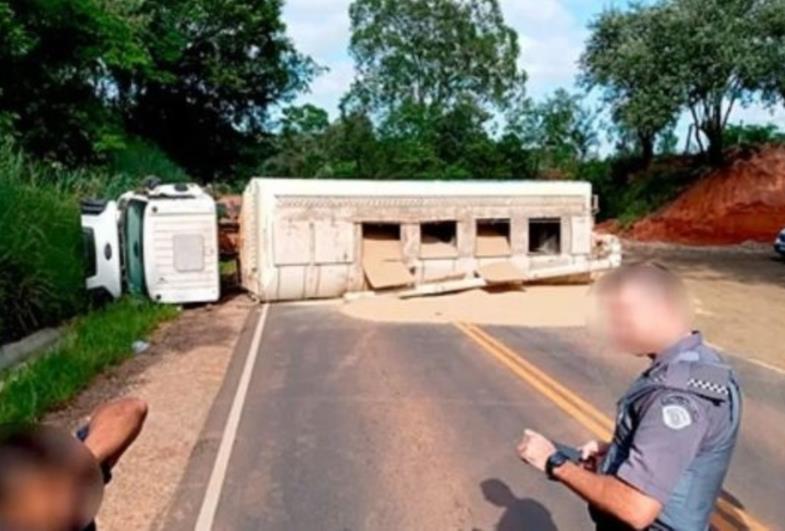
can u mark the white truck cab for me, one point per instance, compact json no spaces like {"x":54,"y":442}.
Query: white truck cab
{"x":168,"y":245}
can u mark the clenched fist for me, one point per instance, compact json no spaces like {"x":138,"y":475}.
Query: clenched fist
{"x":535,"y":449}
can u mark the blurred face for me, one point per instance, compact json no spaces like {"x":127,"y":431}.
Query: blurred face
{"x":640,"y":320}
{"x":43,"y":500}
{"x":53,"y":497}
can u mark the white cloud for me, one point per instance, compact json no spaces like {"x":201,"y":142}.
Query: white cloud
{"x":551,"y":39}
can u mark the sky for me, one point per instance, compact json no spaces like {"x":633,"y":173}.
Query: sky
{"x":551,"y":35}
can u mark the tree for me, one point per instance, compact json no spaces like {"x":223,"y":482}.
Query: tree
{"x":714,"y":42}
{"x":560,"y":132}
{"x":624,"y":57}
{"x":432,"y":54}
{"x":301,"y":150}
{"x":767,"y":71}
{"x":431,"y":73}
{"x":217,"y":68}
{"x":751,"y":134}
{"x":57,"y":59}
{"x":701,"y":56}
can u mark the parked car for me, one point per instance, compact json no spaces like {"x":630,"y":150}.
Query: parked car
{"x":779,"y":243}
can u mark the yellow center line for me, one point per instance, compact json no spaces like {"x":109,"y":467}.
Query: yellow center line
{"x":727,"y":516}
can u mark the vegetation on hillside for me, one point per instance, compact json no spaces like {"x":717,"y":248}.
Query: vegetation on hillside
{"x":438,"y":91}
{"x":91,"y":343}
{"x":41,"y":256}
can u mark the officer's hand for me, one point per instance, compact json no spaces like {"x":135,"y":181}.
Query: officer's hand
{"x":535,"y":449}
{"x":592,"y":453}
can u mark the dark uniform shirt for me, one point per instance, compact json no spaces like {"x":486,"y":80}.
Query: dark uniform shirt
{"x":675,"y":431}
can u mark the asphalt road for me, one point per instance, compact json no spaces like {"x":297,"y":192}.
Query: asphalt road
{"x":354,"y":425}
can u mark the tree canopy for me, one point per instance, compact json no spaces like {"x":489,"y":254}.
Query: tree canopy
{"x":216,"y":69}
{"x":197,"y":77}
{"x":438,"y":92}
{"x":433,"y":53}
{"x":623,"y":57}
{"x":703,"y":57}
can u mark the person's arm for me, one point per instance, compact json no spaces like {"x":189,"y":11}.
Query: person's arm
{"x":113,"y":428}
{"x":670,"y":427}
{"x":606,"y":493}
{"x":610,"y":495}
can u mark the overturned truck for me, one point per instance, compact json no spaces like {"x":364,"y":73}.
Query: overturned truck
{"x":308,"y":239}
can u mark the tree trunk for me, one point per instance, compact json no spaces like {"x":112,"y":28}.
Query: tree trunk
{"x":714,"y":132}
{"x":716,"y":146}
{"x":647,"y":149}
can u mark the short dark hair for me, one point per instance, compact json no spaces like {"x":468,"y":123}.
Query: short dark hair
{"x":652,"y":276}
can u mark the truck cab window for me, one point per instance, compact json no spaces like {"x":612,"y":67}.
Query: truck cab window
{"x":134,"y":247}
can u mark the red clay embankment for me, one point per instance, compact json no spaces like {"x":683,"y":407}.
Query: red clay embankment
{"x":742,"y":201}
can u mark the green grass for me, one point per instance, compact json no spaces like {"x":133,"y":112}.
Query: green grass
{"x":92,"y":343}
{"x":41,"y":257}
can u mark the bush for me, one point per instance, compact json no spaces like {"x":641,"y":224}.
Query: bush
{"x":752,"y":134}
{"x":139,"y":159}
{"x":93,"y":342}
{"x":41,"y":260}
{"x":628,"y":193}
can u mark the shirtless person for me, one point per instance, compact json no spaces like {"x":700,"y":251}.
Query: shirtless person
{"x":52,"y":481}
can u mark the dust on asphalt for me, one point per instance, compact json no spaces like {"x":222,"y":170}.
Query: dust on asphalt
{"x":738,"y":293}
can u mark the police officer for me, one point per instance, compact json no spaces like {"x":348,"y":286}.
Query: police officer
{"x":676,"y":426}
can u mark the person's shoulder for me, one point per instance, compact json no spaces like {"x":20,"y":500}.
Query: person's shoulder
{"x":705,"y":376}
{"x":675,"y":409}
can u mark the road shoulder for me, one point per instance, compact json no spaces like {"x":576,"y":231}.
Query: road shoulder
{"x":178,"y":376}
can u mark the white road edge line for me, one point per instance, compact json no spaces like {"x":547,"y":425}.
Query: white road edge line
{"x":213,"y":493}
{"x":755,"y":361}
{"x":765,"y":365}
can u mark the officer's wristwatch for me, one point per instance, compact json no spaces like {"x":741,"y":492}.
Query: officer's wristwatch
{"x":555,"y":460}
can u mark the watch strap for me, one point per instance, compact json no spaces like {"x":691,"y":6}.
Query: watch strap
{"x":556,"y":459}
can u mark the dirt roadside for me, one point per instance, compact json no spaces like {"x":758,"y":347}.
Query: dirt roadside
{"x":178,"y":376}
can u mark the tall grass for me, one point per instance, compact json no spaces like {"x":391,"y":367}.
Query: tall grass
{"x":93,"y":342}
{"x":41,"y":260}
{"x":41,"y":254}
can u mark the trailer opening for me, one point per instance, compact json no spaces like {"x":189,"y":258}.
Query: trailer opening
{"x":493,"y":238}
{"x":439,"y":239}
{"x":382,"y":256}
{"x":545,"y":236}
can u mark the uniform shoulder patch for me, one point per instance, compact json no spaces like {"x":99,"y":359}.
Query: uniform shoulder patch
{"x":676,"y":416}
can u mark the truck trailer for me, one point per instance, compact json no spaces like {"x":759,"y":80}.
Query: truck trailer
{"x":311,"y":239}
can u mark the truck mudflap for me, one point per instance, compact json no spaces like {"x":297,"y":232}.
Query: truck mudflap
{"x":101,"y":248}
